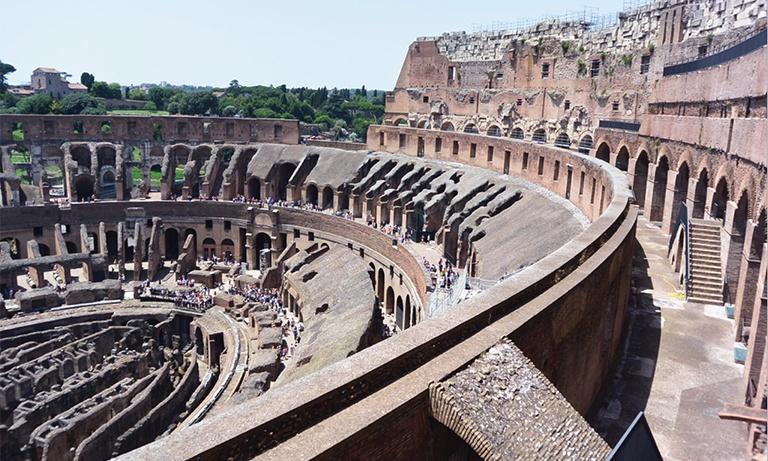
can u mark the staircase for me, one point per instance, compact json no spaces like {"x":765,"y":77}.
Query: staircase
{"x":706,"y":280}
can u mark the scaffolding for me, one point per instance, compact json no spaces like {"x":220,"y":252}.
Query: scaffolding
{"x":589,"y":16}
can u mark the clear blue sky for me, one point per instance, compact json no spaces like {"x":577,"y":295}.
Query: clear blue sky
{"x":299,"y":43}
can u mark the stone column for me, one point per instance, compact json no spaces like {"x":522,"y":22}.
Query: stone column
{"x":252,"y":259}
{"x":669,"y":218}
{"x":690,"y":200}
{"x":650,"y":184}
{"x":138,"y":251}
{"x":102,"y":239}
{"x":121,"y":236}
{"x":613,"y":156}
{"x":730,"y":262}
{"x":631,"y":174}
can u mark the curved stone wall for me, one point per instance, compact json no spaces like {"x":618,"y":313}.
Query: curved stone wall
{"x":566,"y":312}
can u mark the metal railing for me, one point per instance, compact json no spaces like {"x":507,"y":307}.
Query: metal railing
{"x":443,"y":299}
{"x":747,"y":46}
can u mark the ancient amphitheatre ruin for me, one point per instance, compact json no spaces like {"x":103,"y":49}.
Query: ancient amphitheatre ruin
{"x":598,"y":193}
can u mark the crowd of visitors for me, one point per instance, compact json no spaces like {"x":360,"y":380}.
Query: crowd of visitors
{"x":443,"y":274}
{"x":194,"y":298}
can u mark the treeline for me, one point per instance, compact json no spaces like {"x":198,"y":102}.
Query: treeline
{"x":343,"y":111}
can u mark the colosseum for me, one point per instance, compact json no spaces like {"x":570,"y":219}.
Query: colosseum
{"x":553,"y":247}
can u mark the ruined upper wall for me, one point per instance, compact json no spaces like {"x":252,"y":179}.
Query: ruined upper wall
{"x":60,"y":128}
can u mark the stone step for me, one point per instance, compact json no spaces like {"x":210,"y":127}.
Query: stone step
{"x":708,"y":273}
{"x":705,"y":223}
{"x":696,"y":238}
{"x":704,"y":252}
{"x":705,"y":247}
{"x":698,"y":291}
{"x":705,"y":300}
{"x":714,"y":284}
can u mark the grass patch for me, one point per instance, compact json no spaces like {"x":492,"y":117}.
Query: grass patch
{"x":18,"y":135}
{"x":154,"y":179}
{"x":179,"y":173}
{"x":137,"y":112}
{"x":19,"y":157}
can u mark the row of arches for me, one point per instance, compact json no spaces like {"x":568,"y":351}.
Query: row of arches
{"x":405,"y":313}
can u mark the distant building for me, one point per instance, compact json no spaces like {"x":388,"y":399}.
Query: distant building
{"x":21,"y":90}
{"x":54,"y":83}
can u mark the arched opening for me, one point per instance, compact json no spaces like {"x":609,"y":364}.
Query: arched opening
{"x":209,"y":248}
{"x":622,"y":159}
{"x":719,"y":200}
{"x":84,"y":187}
{"x":327,"y":197}
{"x":401,"y":122}
{"x":263,"y":241}
{"x":44,"y":250}
{"x":254,"y":188}
{"x":400,"y":314}
{"x":539,"y":136}
{"x":700,"y":194}
{"x":640,"y":181}
{"x":380,"y":286}
{"x":390,"y":301}
{"x":422,"y":123}
{"x":111,"y":246}
{"x":228,"y":250}
{"x":585,"y":144}
{"x":283,"y":177}
{"x":312,"y":194}
{"x":494,"y":130}
{"x":72,"y":248}
{"x":447,"y":126}
{"x":758,"y":237}
{"x":681,"y":191}
{"x":517,"y":133}
{"x":563,"y":140}
{"x":659,"y":190}
{"x":107,"y":188}
{"x":82,"y":156}
{"x":470,"y":128}
{"x":407,"y":313}
{"x":603,"y":152}
{"x":171,"y":244}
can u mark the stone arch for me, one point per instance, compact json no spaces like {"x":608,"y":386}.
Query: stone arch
{"x":155,"y":177}
{"x":44,"y":249}
{"x":408,"y":313}
{"x":390,"y":301}
{"x":563,"y":140}
{"x":622,"y":159}
{"x":603,"y":152}
{"x":227,"y":249}
{"x":72,"y":247}
{"x":312,"y":194}
{"x":517,"y":133}
{"x":107,"y":186}
{"x":263,"y":241}
{"x":400,"y":121}
{"x":660,"y":176}
{"x":700,"y":194}
{"x":720,"y":199}
{"x":327,"y":197}
{"x":84,"y":186}
{"x":493,"y":130}
{"x":585,"y":144}
{"x":422,"y":123}
{"x":380,"y":286}
{"x":681,"y":191}
{"x":209,"y":248}
{"x":399,"y":313}
{"x":111,"y":237}
{"x":447,"y":126}
{"x":639,"y":183}
{"x":539,"y":135}
{"x":106,"y":154}
{"x":759,"y":236}
{"x":81,"y":154}
{"x":470,"y":128}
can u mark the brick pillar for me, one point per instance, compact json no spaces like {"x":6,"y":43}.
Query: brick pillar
{"x":650,"y":184}
{"x":708,"y":204}
{"x":669,"y":217}
{"x":746,"y":290}
{"x":731,"y":251}
{"x":612,"y":158}
{"x":756,"y":349}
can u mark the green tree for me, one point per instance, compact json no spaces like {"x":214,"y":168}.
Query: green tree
{"x":36,"y":104}
{"x":106,"y":90}
{"x":137,"y":94}
{"x":161,"y":96}
{"x":5,"y":69}
{"x":150,"y":106}
{"x":173,"y":107}
{"x":199,"y":103}
{"x":82,"y":103}
{"x":87,"y":79}
{"x":229,"y":111}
